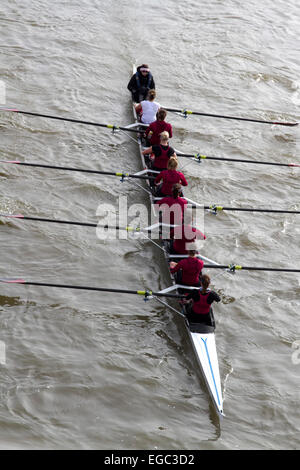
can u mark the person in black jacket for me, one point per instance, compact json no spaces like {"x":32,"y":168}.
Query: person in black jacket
{"x":140,"y":83}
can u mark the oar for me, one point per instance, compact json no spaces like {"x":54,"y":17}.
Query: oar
{"x":88,"y":224}
{"x":199,"y":157}
{"x":78,"y":121}
{"x":145,"y":293}
{"x":82,"y":170}
{"x":237,"y":267}
{"x":70,"y":222}
{"x":196,"y":156}
{"x":187,"y":112}
{"x":216,"y":208}
{"x":138,"y":229}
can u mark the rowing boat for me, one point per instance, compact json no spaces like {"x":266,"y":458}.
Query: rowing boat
{"x":202,"y":337}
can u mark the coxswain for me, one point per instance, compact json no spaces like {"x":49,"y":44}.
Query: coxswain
{"x":140,"y":83}
{"x":172,"y":209}
{"x":154,"y":130}
{"x":148,"y":108}
{"x":169,"y":177}
{"x":199,"y":303}
{"x":190,"y":268}
{"x":161,"y":152}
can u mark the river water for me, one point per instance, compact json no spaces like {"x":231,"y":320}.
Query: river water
{"x":87,"y":370}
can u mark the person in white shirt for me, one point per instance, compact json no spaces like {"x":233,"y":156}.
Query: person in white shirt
{"x":148,"y":108}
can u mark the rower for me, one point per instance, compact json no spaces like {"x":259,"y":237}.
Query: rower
{"x":148,"y":108}
{"x":189,"y":268}
{"x":154,"y":130}
{"x":140,"y":83}
{"x":162,"y":153}
{"x":172,"y":209}
{"x":169,"y":177}
{"x":174,"y":203}
{"x":185,"y":234}
{"x":199,"y":303}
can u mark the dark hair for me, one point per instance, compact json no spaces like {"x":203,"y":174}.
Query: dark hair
{"x":151,"y":95}
{"x":161,"y":114}
{"x":205,"y":281}
{"x":176,"y":190}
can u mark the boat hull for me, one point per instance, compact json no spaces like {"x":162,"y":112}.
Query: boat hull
{"x":202,"y":337}
{"x":204,"y":345}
